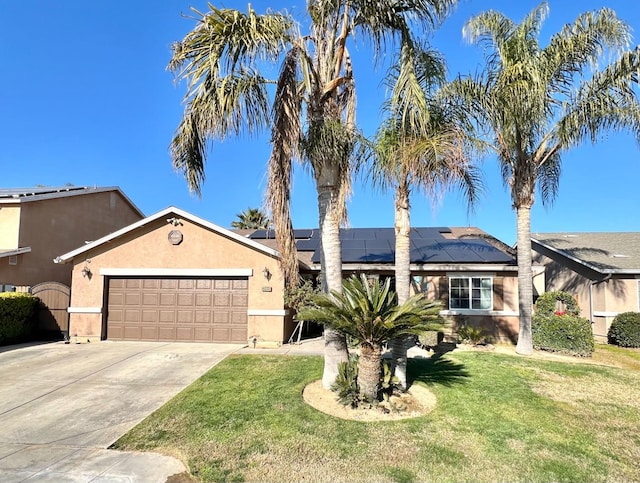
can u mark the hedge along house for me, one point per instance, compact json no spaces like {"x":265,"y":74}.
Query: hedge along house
{"x":601,"y":270}
{"x":175,"y":277}
{"x":473,"y":273}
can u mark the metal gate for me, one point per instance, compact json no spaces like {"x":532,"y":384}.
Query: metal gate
{"x":53,"y":316}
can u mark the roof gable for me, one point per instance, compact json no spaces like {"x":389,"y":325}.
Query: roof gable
{"x":169,"y":214}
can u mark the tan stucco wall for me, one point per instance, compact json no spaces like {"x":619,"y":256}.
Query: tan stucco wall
{"x":149,"y":248}
{"x":9,"y":226}
{"x":501,"y":324}
{"x":52,"y":227}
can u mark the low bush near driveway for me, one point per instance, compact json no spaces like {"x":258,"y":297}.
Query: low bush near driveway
{"x":17,"y":311}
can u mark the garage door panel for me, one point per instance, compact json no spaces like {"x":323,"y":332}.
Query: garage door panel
{"x":204,"y":299}
{"x":166,"y":333}
{"x":222,"y":300}
{"x":148,"y":332}
{"x":184,"y":333}
{"x":221,"y":284}
{"x":150,"y":284}
{"x":167,"y":316}
{"x":202,"y":334}
{"x":203,"y":317}
{"x":185,"y":316}
{"x":204,"y":284}
{"x":240,"y":284}
{"x":238,"y":334}
{"x":199,"y":309}
{"x":149,"y":316}
{"x":132,"y":332}
{"x":238,"y":318}
{"x":186,"y":299}
{"x":150,"y":299}
{"x":168,"y":284}
{"x":131,"y":316}
{"x":186,"y":284}
{"x":132,"y":283}
{"x":239,"y":300}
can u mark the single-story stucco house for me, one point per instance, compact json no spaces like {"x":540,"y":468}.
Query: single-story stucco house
{"x":174,"y":276}
{"x":601,"y":270}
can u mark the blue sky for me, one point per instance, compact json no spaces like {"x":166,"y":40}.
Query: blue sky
{"x":85,"y":99}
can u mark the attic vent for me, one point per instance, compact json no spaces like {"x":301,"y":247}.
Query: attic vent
{"x":617,"y":255}
{"x":13,"y":260}
{"x":570,"y":236}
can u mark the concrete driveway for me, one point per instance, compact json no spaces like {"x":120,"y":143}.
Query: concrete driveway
{"x":62,"y":405}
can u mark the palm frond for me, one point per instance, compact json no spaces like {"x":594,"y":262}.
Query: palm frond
{"x":285,"y":134}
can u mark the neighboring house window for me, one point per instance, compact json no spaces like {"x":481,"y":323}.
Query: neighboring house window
{"x":470,"y":293}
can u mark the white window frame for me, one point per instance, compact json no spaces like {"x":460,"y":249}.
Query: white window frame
{"x":470,"y":288}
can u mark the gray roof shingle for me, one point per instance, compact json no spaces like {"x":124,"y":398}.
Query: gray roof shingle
{"x":606,"y":252}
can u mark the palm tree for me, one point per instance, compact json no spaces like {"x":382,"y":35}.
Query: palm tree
{"x":537,"y":103}
{"x":422,"y":145}
{"x":311,"y":115}
{"x":252,"y":218}
{"x":369,"y":312}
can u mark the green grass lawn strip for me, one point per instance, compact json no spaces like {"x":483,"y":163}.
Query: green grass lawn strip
{"x":498,"y":418}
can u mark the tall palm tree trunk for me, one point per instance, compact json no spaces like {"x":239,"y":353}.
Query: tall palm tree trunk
{"x":369,"y":371}
{"x":403,"y":278}
{"x":525,"y":281}
{"x":335,"y":343}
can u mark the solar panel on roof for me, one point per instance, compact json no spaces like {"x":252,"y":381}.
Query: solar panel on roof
{"x":428,"y":232}
{"x":308,"y":245}
{"x":354,"y":244}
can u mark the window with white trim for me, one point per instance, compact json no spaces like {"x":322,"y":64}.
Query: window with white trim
{"x":474,"y":293}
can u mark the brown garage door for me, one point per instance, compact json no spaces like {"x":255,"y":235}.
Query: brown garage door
{"x":178,"y":309}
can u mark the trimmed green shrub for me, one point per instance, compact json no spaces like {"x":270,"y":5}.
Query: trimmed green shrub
{"x":625,"y":330}
{"x":17,"y":312}
{"x":563,"y":333}
{"x":546,"y":304}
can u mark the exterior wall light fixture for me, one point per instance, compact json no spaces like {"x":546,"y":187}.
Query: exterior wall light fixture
{"x":266,"y":273}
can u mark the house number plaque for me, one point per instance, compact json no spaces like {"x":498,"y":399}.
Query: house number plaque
{"x":175,"y":237}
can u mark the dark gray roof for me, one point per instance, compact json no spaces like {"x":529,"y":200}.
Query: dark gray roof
{"x":428,"y":245}
{"x":612,"y":252}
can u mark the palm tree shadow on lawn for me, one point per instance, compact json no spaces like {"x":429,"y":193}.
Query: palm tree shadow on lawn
{"x":436,"y":370}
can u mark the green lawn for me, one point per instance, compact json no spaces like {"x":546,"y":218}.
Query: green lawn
{"x":498,"y":418}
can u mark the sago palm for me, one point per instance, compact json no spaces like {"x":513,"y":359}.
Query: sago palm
{"x":369,"y":312}
{"x":538,"y":102}
{"x":424,"y":145}
{"x":311,"y":113}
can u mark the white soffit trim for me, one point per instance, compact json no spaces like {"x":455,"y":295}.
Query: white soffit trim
{"x":177,"y":272}
{"x":167,"y":212}
{"x":273,"y":313}
{"x":84,"y":310}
